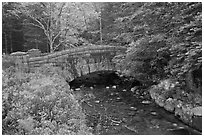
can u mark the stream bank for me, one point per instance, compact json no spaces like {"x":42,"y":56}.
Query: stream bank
{"x":185,"y":106}
{"x":116,"y":111}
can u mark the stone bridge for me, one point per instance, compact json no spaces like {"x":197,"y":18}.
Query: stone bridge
{"x":77,"y":61}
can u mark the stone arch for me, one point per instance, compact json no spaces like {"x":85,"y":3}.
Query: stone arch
{"x":78,"y":61}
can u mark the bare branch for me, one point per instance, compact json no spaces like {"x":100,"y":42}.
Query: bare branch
{"x":71,"y":45}
{"x":40,"y":25}
{"x":35,"y":19}
{"x":57,"y":46}
{"x":43,"y":4}
{"x":61,"y":8}
{"x":57,"y":35}
{"x":33,"y":25}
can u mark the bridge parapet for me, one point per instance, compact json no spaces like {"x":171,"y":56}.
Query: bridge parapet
{"x":78,"y":61}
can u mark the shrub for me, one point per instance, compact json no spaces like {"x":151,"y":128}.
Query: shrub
{"x":40,"y":103}
{"x":7,"y":61}
{"x":171,"y":89}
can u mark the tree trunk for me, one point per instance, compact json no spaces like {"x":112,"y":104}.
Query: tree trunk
{"x":47,"y":46}
{"x":50,"y":29}
{"x":6,"y":45}
{"x":98,"y":10}
{"x":101,"y":39}
{"x":36,"y":44}
{"x":51,"y":46}
{"x":11,"y":45}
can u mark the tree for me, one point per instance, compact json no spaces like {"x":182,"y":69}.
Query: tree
{"x":165,"y":38}
{"x":61,"y":22}
{"x":46,"y":16}
{"x":98,"y":9}
{"x":12,"y":35}
{"x":187,"y":50}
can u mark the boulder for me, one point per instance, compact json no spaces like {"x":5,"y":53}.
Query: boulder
{"x":34,"y":52}
{"x":197,"y":111}
{"x":160,"y":101}
{"x":170,"y":105}
{"x":19,"y":53}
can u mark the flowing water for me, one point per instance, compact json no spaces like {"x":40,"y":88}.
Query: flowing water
{"x":115,"y":111}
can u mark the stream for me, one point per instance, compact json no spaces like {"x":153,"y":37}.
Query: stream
{"x":115,"y":111}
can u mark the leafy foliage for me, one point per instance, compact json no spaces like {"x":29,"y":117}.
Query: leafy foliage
{"x":48,"y":26}
{"x":164,"y":38}
{"x":7,"y":61}
{"x":188,"y":48}
{"x":39,"y":103}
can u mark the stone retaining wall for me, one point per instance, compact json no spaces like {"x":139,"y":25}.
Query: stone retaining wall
{"x":186,"y":106}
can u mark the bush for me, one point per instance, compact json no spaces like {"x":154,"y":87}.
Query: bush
{"x":7,"y":61}
{"x":171,"y":89}
{"x":40,"y":103}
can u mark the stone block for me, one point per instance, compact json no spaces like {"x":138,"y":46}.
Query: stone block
{"x":169,"y":104}
{"x":160,"y":101}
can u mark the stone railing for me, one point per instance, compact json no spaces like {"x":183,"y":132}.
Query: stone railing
{"x":81,"y":60}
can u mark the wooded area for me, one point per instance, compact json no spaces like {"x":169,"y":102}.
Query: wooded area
{"x":164,"y":52}
{"x":163,"y":39}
